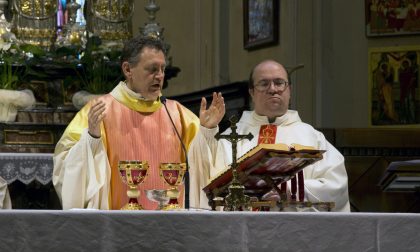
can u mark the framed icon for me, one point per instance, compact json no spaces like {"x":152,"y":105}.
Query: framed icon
{"x":261,"y":23}
{"x":394,"y":89}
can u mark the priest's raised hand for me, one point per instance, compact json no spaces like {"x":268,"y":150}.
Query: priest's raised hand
{"x":211,"y":117}
{"x":95,"y":116}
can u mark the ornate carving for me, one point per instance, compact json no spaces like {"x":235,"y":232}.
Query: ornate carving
{"x":110,"y":19}
{"x":34,"y":21}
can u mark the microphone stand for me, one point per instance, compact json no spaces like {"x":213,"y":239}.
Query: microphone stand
{"x":187,"y":174}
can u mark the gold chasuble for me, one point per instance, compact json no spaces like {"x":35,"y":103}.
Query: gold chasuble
{"x":135,"y":129}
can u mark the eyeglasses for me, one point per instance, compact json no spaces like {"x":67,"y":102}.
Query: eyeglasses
{"x":264,"y":85}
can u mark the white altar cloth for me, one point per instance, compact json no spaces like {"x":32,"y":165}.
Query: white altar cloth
{"x":81,"y":230}
{"x":26,"y":167}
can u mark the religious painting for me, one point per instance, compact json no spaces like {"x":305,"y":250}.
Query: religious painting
{"x":392,"y":17}
{"x":261,"y":23}
{"x":394,"y":89}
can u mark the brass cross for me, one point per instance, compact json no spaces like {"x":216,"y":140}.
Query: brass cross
{"x":236,"y":200}
{"x":234,"y":138}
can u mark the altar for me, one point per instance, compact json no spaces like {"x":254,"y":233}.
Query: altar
{"x":26,"y":167}
{"x":94,"y":230}
{"x":29,"y":179}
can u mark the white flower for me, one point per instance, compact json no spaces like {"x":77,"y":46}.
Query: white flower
{"x":6,"y":40}
{"x":5,"y":46}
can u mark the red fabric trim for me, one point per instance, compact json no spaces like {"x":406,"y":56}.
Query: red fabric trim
{"x":301,"y":184}
{"x":267,"y":134}
{"x":294,"y":187}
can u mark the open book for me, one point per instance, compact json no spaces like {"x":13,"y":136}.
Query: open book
{"x":263,"y":168}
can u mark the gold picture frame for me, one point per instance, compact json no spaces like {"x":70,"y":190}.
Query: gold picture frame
{"x":394,"y":89}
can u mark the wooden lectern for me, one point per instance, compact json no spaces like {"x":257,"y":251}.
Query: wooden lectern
{"x":263,"y":169}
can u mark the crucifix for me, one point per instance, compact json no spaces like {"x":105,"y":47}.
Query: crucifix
{"x":236,"y":200}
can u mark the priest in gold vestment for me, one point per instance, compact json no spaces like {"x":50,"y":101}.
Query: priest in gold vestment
{"x":130,"y":123}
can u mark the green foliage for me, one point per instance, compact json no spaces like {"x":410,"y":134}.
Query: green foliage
{"x":10,"y":59}
{"x":95,"y":68}
{"x":15,"y":61}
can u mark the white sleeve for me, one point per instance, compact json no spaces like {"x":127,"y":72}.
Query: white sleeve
{"x":5,"y":202}
{"x":201,"y":155}
{"x":328,"y":180}
{"x":82,"y":174}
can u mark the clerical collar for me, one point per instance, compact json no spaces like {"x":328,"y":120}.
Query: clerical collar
{"x":271,"y":120}
{"x":134,"y":100}
{"x":289,"y":117}
{"x":132,"y":93}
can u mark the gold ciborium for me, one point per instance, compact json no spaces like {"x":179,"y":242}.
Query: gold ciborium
{"x":172,"y":174}
{"x":132,"y":174}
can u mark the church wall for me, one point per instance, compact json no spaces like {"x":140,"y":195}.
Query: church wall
{"x":189,"y":30}
{"x":208,"y":46}
{"x":295,"y":47}
{"x":344,"y":53}
{"x":328,"y":37}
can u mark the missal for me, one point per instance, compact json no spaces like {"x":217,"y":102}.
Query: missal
{"x":264,"y":168}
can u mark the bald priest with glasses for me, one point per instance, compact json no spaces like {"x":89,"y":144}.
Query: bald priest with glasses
{"x":270,"y":122}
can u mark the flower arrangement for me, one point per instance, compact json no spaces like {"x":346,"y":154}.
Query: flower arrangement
{"x":9,"y":60}
{"x":13,"y":69}
{"x":15,"y":60}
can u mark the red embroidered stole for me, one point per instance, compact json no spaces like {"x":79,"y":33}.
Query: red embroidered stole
{"x":267,"y":135}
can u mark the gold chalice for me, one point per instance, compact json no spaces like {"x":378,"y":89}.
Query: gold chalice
{"x":172,"y":174}
{"x":132,"y":174}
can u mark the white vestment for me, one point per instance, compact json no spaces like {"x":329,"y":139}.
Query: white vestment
{"x":5,"y":202}
{"x":325,"y":180}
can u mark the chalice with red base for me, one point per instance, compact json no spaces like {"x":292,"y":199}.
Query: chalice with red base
{"x":173,"y":175}
{"x":132,"y":174}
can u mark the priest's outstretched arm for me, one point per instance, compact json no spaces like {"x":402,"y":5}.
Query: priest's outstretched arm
{"x":203,"y":149}
{"x":81,"y":168}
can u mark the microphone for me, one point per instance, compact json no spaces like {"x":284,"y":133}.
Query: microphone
{"x":186,"y":175}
